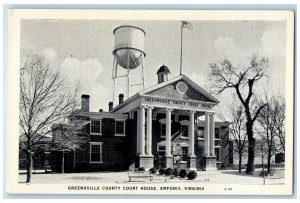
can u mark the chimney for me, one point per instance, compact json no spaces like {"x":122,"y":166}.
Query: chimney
{"x":121,"y":98}
{"x":163,"y":74}
{"x":110,"y":106}
{"x":85,"y":103}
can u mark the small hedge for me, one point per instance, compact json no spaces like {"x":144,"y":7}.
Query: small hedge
{"x":175,"y":172}
{"x":192,"y":175}
{"x":168,"y":171}
{"x":182,"y":173}
{"x":141,"y":169}
{"x":152,"y":170}
{"x":161,"y":171}
{"x":261,"y":173}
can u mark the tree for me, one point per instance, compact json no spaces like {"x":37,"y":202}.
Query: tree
{"x":44,"y":99}
{"x":268,"y":127}
{"x":237,"y":131}
{"x":67,"y":137}
{"x":279,"y":107}
{"x":226,"y":76}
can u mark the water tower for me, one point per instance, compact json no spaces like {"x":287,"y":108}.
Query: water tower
{"x":128,"y":53}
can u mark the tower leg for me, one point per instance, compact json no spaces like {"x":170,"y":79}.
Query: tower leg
{"x":143,"y":73}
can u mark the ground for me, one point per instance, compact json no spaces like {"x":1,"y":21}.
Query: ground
{"x":207,"y":177}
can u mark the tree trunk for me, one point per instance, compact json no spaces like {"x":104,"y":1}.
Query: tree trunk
{"x":240,"y":162}
{"x":269,"y":161}
{"x":29,"y":166}
{"x":63,"y":163}
{"x":251,"y":146}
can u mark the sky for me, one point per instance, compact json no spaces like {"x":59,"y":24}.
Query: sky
{"x":82,"y":51}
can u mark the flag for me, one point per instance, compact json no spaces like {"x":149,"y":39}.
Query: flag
{"x":185,"y":24}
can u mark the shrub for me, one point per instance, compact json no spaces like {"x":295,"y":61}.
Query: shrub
{"x":175,"y":172}
{"x":182,"y":173}
{"x":192,"y":175}
{"x":261,"y":173}
{"x":141,"y":169}
{"x":168,"y":171}
{"x":161,"y":171}
{"x":152,"y":170}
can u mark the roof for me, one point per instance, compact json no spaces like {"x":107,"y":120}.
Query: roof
{"x":163,"y":69}
{"x":162,"y":84}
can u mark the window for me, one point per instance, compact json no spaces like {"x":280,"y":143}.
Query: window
{"x":163,"y":130}
{"x":95,"y":127}
{"x":200,"y":132}
{"x":217,"y":154}
{"x":218,"y":143}
{"x":185,"y":130}
{"x":217,"y":133}
{"x":161,"y":148}
{"x":184,"y":153}
{"x":120,"y":128}
{"x":96,"y":152}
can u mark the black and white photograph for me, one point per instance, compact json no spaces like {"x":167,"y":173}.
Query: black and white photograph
{"x":151,"y":102}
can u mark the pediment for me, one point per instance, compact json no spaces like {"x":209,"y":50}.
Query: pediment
{"x":180,"y":90}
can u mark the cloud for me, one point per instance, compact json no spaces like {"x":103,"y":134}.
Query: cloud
{"x":225,"y":46}
{"x":49,"y":54}
{"x":200,"y":79}
{"x":87,"y":72}
{"x":273,"y":43}
{"x":228,"y":47}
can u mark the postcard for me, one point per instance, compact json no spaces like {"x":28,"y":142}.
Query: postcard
{"x":153,"y":102}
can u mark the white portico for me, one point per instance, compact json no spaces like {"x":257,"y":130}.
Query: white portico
{"x":173,"y":101}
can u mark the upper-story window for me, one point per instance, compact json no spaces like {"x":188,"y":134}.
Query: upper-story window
{"x":120,"y":128}
{"x":217,"y":133}
{"x":95,"y":128}
{"x":200,"y":132}
{"x":163,"y":130}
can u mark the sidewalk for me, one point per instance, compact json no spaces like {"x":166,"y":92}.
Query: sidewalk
{"x":207,"y":177}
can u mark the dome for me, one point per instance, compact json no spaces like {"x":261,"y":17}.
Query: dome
{"x":163,"y":69}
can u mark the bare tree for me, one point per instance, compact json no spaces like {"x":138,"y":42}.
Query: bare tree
{"x":279,"y":107}
{"x":44,"y":99}
{"x":271,"y":127}
{"x":226,"y":76}
{"x":237,"y":131}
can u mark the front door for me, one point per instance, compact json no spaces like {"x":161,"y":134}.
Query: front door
{"x":185,"y":130}
{"x":161,"y":150}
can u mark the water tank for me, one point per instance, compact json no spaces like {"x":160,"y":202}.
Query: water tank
{"x":129,"y":46}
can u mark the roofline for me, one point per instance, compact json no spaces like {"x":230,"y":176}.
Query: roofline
{"x":162,"y":84}
{"x":133,"y":26}
{"x":192,"y":83}
{"x":196,"y":86}
{"x":124,"y":103}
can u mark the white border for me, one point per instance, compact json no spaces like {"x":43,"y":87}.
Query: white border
{"x":14,"y":53}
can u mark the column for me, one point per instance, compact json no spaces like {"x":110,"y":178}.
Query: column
{"x":149,"y":131}
{"x":206,"y":134}
{"x":138,"y":132}
{"x":142,"y":130}
{"x":192,"y":133}
{"x":212,"y":134}
{"x":168,"y":132}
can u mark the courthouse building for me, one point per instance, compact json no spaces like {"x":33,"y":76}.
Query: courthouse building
{"x":171,"y":124}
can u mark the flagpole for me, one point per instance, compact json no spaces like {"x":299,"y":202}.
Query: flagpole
{"x":181,"y":51}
